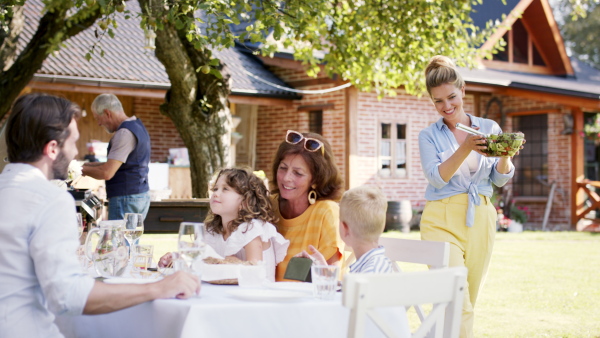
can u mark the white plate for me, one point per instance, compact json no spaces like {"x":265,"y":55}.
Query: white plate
{"x":268,"y":295}
{"x":130,"y":280}
{"x":291,"y":286}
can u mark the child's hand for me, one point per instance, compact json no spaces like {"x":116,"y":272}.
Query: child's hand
{"x":166,"y":260}
{"x":316,"y":256}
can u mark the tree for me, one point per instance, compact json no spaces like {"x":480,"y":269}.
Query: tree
{"x":377,"y":45}
{"x":578,"y":30}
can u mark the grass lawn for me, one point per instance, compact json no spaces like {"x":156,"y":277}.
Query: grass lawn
{"x":540,"y":284}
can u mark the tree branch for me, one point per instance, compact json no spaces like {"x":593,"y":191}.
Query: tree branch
{"x":9,"y":37}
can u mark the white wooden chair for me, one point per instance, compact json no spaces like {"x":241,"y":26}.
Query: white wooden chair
{"x":432,"y":253}
{"x":444,"y":288}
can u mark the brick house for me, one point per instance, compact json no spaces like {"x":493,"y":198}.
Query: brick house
{"x":533,"y":87}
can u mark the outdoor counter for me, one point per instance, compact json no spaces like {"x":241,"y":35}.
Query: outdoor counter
{"x":165,"y":216}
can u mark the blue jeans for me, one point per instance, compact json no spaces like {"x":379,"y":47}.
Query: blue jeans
{"x":118,"y":206}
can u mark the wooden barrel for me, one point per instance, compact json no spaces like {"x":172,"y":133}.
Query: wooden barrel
{"x":398,"y":216}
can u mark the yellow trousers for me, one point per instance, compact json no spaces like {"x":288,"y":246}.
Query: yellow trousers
{"x":445,"y":221}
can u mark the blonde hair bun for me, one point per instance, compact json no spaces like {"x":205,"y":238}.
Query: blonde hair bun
{"x":442,"y":70}
{"x":439,"y":61}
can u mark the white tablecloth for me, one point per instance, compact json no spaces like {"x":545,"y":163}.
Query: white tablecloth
{"x":215,"y":313}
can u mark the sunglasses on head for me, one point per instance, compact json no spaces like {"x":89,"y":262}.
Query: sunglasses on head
{"x":310,"y":144}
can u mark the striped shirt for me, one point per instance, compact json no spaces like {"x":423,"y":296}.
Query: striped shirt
{"x":374,"y":261}
{"x":317,"y":226}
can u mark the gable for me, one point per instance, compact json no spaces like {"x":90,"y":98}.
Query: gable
{"x":534,"y":43}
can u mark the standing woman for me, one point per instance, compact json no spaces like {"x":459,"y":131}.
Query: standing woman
{"x":306,"y":186}
{"x":460,"y":176}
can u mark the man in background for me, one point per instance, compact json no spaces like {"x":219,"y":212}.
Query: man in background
{"x":126,"y":170}
{"x":41,"y":274}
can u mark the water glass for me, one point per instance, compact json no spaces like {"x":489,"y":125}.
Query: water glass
{"x":178,"y":263}
{"x":141,"y":264}
{"x":143,"y":249}
{"x":324,"y":280}
{"x":252,"y":276}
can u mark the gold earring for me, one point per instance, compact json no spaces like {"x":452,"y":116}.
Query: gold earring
{"x":312,"y":197}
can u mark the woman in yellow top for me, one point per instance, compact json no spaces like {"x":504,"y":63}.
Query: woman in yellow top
{"x":306,"y":185}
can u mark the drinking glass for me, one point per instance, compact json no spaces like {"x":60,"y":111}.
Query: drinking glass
{"x":79,"y":223}
{"x":324,"y":281}
{"x":134,"y":228}
{"x":141,"y":264}
{"x":191,"y":244}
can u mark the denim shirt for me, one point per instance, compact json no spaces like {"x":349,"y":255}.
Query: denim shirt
{"x":437,"y":144}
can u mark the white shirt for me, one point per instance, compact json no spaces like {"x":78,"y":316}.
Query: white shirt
{"x":244,"y":234}
{"x":39,"y":270}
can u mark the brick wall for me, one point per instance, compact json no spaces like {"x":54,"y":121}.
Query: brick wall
{"x":163,"y":134}
{"x":274,"y":121}
{"x":417,"y":113}
{"x":559,"y":156}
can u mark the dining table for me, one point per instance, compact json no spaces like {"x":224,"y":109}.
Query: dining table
{"x":273,"y":310}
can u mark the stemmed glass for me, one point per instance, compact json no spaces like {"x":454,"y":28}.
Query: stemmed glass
{"x":134,"y":228}
{"x":191,"y":244}
{"x":79,"y":223}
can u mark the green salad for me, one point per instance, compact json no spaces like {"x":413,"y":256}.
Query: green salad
{"x":505,"y":144}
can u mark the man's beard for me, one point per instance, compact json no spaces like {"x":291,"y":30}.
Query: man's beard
{"x":60,"y":167}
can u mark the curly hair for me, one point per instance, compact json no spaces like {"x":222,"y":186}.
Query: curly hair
{"x":325,"y":173}
{"x":256,"y":203}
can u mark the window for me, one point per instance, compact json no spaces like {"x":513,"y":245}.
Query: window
{"x":532,"y":162}
{"x":519,"y":47}
{"x":392,"y":150}
{"x":315,"y":121}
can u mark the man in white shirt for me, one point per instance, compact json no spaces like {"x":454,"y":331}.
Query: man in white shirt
{"x":39,"y":271}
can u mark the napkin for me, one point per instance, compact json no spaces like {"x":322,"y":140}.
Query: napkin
{"x":298,"y":269}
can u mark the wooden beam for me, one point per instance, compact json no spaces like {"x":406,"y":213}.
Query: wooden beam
{"x":556,"y":98}
{"x":312,"y":107}
{"x":517,"y":67}
{"x":473,"y":88}
{"x":78,"y":88}
{"x":577,"y":165}
{"x":260,"y":101}
{"x":558,"y":40}
{"x":533,"y":112}
{"x":351,"y":157}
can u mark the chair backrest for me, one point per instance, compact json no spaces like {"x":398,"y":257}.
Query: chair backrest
{"x":444,"y":288}
{"x":434,"y":254}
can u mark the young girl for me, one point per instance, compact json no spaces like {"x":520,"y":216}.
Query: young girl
{"x":239,"y":222}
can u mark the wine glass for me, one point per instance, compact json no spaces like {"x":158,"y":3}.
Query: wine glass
{"x":79,"y":223}
{"x":191,"y":244}
{"x":134,"y":228}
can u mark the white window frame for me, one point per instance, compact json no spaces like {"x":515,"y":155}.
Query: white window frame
{"x":393,"y":171}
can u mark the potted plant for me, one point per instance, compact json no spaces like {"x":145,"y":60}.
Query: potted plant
{"x":518,"y":217}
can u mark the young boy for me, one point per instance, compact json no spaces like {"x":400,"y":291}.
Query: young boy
{"x":362,"y":220}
